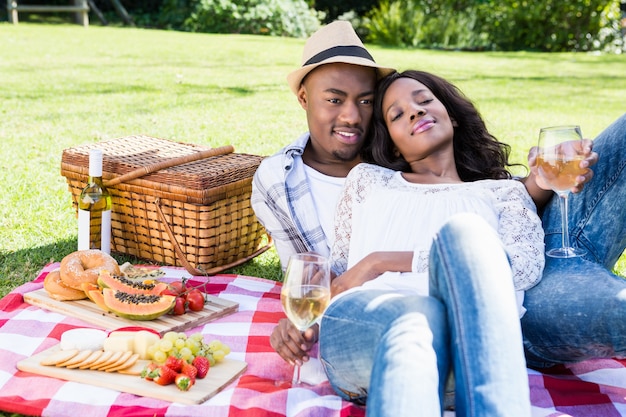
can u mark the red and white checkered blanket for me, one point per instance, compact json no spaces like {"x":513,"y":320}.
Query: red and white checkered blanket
{"x":593,"y":388}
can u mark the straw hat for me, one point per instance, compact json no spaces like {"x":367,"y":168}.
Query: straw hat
{"x":335,"y":42}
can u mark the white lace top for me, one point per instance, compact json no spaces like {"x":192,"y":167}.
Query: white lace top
{"x":380,"y":211}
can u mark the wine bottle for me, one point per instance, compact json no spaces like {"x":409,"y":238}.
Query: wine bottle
{"x":94,"y":209}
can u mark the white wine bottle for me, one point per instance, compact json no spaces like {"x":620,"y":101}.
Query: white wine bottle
{"x":94,"y":209}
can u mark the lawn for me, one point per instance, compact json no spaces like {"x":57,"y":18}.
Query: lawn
{"x":65,"y":85}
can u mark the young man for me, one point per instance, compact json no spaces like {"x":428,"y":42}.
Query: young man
{"x":295,"y":191}
{"x":576,"y":312}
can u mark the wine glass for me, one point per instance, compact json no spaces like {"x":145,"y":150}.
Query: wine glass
{"x":305,"y":293}
{"x":558,"y":163}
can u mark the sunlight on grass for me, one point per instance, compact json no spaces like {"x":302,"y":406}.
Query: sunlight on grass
{"x":63,"y":85}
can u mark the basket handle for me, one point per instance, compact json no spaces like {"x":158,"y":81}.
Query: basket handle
{"x":140,"y":172}
{"x":183,"y":258}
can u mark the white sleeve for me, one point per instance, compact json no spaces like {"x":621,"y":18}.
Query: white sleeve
{"x":521,"y":233}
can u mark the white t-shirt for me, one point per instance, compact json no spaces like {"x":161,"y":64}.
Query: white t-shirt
{"x":325,"y":191}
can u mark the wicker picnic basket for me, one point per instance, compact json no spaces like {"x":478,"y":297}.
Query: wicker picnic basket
{"x":175,"y":203}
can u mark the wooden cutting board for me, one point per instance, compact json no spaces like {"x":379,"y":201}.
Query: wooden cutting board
{"x":89,"y":312}
{"x":217,"y":379}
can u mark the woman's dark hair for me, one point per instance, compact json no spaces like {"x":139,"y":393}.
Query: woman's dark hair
{"x":478,"y":154}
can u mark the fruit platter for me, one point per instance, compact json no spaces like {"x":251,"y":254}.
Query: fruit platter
{"x":174,"y":367}
{"x":111,"y":297}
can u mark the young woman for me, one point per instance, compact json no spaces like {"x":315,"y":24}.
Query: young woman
{"x":434,"y":247}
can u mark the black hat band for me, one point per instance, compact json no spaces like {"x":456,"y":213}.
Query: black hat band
{"x":355,"y":51}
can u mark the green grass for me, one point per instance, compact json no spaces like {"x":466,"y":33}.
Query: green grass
{"x":64,"y":85}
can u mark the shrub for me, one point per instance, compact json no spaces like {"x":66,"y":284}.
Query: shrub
{"x":546,"y":25}
{"x":395,"y":23}
{"x":426,"y":24}
{"x":334,"y":9}
{"x":291,"y":18}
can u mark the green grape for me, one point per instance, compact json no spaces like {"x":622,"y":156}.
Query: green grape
{"x":165,"y":345}
{"x":211,"y":360}
{"x":152,"y":349}
{"x":185,"y":352}
{"x":193,"y":345}
{"x":180,"y":343}
{"x":198,"y":337}
{"x":215,"y":345}
{"x":171,"y":336}
{"x":182,"y":335}
{"x":226,"y":349}
{"x":160,"y":356}
{"x":218,"y":355}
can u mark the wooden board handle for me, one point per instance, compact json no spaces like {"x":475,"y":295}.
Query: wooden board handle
{"x":140,"y":172}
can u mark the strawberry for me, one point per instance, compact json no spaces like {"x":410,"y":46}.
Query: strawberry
{"x":174,"y":363}
{"x":202,"y":365}
{"x":145,"y":372}
{"x":189,"y":370}
{"x":163,"y":375}
{"x":184,"y":382}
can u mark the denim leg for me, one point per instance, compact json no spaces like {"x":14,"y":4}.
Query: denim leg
{"x":470,"y":274}
{"x":577,"y":310}
{"x":597,"y":219}
{"x":388,"y":349}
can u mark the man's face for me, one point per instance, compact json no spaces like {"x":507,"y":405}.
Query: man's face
{"x":338,"y":99}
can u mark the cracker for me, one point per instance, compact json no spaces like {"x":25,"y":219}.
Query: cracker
{"x":59,"y":356}
{"x":111,"y":359}
{"x":78,"y":358}
{"x":136,"y":368}
{"x":126,"y":364}
{"x":95,"y":355}
{"x":120,"y":360}
{"x":106,"y":355}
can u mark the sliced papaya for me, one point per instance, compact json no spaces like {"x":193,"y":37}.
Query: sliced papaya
{"x":137,"y":306}
{"x":130,"y":286}
{"x":97,"y":297}
{"x":94,"y":293}
{"x":88,"y":286}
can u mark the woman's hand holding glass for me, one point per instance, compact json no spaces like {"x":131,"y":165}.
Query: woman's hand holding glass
{"x":560,"y":164}
{"x":590,"y":159}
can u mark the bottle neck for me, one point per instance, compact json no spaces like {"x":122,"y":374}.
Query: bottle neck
{"x":95,"y":180}
{"x":95,"y":163}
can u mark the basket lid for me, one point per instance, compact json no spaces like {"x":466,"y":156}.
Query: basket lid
{"x":127,"y":154}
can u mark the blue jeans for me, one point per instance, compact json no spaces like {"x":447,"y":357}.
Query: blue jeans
{"x":578,"y":310}
{"x":395,"y":351}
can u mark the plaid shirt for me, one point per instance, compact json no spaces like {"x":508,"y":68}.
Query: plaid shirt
{"x":282,"y":201}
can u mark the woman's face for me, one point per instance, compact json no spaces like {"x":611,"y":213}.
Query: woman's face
{"x":418,"y":122}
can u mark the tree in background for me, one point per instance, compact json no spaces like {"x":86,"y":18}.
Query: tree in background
{"x":334,"y":9}
{"x":546,"y":25}
{"x":510,"y":25}
{"x":552,"y":25}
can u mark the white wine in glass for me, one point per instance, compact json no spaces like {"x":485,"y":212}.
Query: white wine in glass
{"x":558,"y":163}
{"x":305,"y":293}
